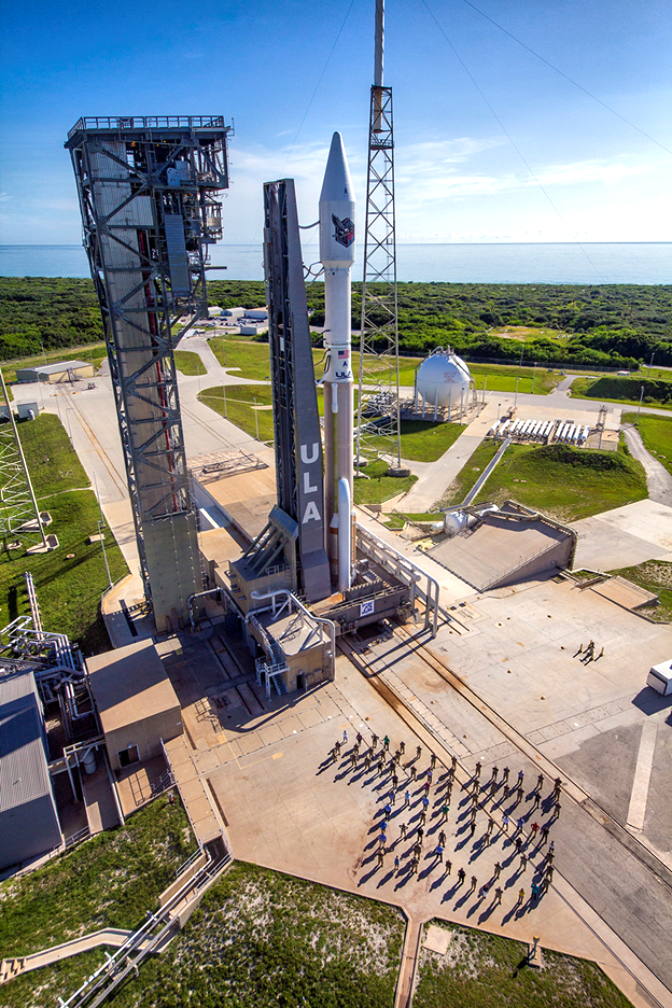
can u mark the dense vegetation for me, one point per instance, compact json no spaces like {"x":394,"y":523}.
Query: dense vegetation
{"x":69,"y":580}
{"x":619,"y":325}
{"x":653,"y":391}
{"x":40,"y":312}
{"x":610,"y":325}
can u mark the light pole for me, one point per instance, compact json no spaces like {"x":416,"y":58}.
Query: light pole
{"x":515,"y":401}
{"x":69,"y":410}
{"x":534,"y":375}
{"x":641,"y":396}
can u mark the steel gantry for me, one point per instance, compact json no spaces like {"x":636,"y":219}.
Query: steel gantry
{"x":378,"y":427}
{"x":148,"y":190}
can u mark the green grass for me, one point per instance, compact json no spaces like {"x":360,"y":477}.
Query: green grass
{"x":627,"y":391}
{"x":567,"y":483}
{"x":470,"y":472}
{"x":189,"y":363}
{"x":379,"y":487}
{"x":423,"y":440}
{"x":502,"y":378}
{"x":68,"y":590}
{"x":237,"y":404}
{"x":110,"y":880}
{"x":398,"y":520}
{"x":656,"y":577}
{"x":94,"y":352}
{"x":656,"y":433}
{"x":483,"y":970}
{"x":263,"y":939}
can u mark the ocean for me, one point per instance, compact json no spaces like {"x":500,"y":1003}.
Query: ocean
{"x":560,"y":263}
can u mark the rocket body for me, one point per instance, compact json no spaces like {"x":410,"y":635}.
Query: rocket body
{"x":337,"y":254}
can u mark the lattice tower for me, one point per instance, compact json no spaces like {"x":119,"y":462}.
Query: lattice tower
{"x":378,"y":427}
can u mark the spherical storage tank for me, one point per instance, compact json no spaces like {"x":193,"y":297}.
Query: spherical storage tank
{"x":443,"y":379}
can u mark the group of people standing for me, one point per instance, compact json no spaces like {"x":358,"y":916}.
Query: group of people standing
{"x":409,"y":796}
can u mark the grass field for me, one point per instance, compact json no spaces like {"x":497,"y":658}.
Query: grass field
{"x":627,"y":391}
{"x":253,"y":361}
{"x":567,"y":483}
{"x":110,"y":880}
{"x":238,"y":404}
{"x":378,"y":487}
{"x":94,"y":352}
{"x":656,"y":433}
{"x":482,"y":970}
{"x":424,"y":441}
{"x":68,"y":589}
{"x":189,"y":363}
{"x":263,"y":939}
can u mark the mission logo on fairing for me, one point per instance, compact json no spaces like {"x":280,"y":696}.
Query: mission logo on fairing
{"x":345,"y":231}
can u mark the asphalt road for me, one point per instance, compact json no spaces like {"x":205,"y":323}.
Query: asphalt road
{"x":658,"y":479}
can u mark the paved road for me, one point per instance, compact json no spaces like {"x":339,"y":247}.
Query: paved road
{"x":658,"y":479}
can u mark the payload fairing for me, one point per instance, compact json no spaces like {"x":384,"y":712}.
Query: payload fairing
{"x":337,"y":254}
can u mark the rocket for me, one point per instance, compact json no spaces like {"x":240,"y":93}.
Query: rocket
{"x":337,"y":254}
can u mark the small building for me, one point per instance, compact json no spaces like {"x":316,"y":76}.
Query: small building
{"x":257,"y":313}
{"x":250,"y":329}
{"x":63,"y":371}
{"x":136,"y":703}
{"x":29,"y":823}
{"x":233,"y":313}
{"x":214,"y":312}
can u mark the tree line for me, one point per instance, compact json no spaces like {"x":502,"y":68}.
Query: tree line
{"x":617,"y":325}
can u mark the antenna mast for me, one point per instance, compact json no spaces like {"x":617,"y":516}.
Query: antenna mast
{"x":378,"y":427}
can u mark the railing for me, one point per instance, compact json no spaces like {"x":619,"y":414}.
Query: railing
{"x":146,"y":122}
{"x":77,"y":837}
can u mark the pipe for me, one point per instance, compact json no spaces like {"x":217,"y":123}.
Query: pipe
{"x":190,"y":603}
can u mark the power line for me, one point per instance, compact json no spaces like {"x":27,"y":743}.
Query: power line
{"x":568,"y":78}
{"x":509,"y":137}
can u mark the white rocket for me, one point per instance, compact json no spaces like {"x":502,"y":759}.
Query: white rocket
{"x":337,"y":254}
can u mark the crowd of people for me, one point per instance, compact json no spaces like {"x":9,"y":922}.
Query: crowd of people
{"x":422,"y":808}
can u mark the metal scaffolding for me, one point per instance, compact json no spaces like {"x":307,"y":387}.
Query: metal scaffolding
{"x":148,"y":189}
{"x":378,"y":427}
{"x":20,"y":519}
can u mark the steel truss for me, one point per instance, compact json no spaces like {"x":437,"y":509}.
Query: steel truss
{"x":148,"y":190}
{"x":378,"y":428}
{"x":20,"y":518}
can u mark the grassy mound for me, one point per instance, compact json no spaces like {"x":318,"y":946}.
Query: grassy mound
{"x":657,"y":391}
{"x":567,"y":483}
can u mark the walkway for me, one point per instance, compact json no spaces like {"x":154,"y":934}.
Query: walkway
{"x":658,"y":479}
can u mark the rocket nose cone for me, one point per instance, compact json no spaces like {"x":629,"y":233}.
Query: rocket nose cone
{"x":337,"y":183}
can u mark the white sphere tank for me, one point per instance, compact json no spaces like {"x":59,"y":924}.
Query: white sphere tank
{"x":443,"y":378}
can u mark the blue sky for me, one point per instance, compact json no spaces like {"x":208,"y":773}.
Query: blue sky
{"x":491,"y":143}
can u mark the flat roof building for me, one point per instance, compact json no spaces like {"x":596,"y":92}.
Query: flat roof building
{"x":136,"y":703}
{"x":62,"y":371}
{"x":28,"y":818}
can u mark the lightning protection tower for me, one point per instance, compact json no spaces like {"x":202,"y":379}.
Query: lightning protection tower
{"x":20,"y":518}
{"x":378,"y":429}
{"x":148,"y":191}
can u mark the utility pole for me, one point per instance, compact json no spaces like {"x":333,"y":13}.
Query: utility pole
{"x":639,"y":408}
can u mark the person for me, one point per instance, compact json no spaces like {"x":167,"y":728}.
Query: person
{"x":374,"y":741}
{"x":474,"y":883}
{"x":402,"y":748}
{"x":499,"y":892}
{"x":505,"y":823}
{"x":439,"y":852}
{"x":425,"y":802}
{"x":505,"y":774}
{"x":407,"y":798}
{"x":388,"y":810}
{"x":418,"y":752}
{"x":171,"y":798}
{"x":523,"y":862}
{"x":414,"y":773}
{"x":403,"y":828}
{"x":345,"y":737}
{"x":358,"y":738}
{"x":535,"y":828}
{"x":461,"y":875}
{"x":442,"y":838}
{"x":535,"y":891}
{"x":337,"y":749}
{"x":386,"y":743}
{"x":521,"y":895}
{"x":498,"y":870}
{"x":444,"y":811}
{"x":397,"y":862}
